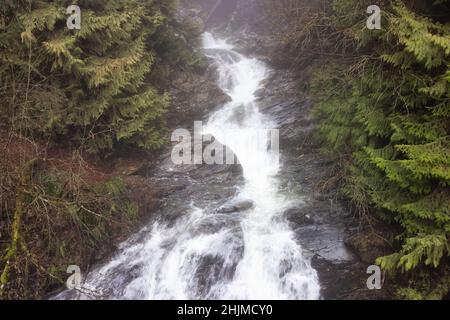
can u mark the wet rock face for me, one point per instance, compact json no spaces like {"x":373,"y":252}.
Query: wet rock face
{"x":193,"y":96}
{"x":283,"y":99}
{"x":298,"y":217}
{"x":182,"y":186}
{"x":369,"y":246}
{"x":340,"y":252}
{"x":211,"y":268}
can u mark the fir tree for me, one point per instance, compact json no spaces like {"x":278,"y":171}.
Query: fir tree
{"x":94,"y":85}
{"x":390,"y":111}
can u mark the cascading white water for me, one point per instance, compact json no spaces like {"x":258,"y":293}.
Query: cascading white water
{"x":252,"y":255}
{"x":272,"y":266}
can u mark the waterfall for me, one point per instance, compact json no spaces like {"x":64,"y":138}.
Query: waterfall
{"x":251,"y":255}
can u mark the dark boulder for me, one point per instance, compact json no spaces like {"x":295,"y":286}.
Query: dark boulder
{"x":193,"y":96}
{"x":298,"y":216}
{"x":369,"y":246}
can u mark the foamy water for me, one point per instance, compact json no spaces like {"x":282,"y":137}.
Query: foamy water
{"x":252,"y":255}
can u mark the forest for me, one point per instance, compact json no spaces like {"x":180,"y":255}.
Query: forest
{"x":381,"y":102}
{"x":67,"y":93}
{"x":87,"y":114}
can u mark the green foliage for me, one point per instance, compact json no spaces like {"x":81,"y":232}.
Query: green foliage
{"x":93,"y":89}
{"x":390,"y":112}
{"x":418,"y":286}
{"x":60,"y":218}
{"x":93,"y":86}
{"x":409,"y":294}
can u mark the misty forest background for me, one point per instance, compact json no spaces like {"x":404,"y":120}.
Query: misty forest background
{"x":73,"y":100}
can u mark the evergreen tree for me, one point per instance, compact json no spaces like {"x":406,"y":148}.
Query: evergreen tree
{"x":93,"y":85}
{"x":390,"y":111}
{"x":96,"y":88}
